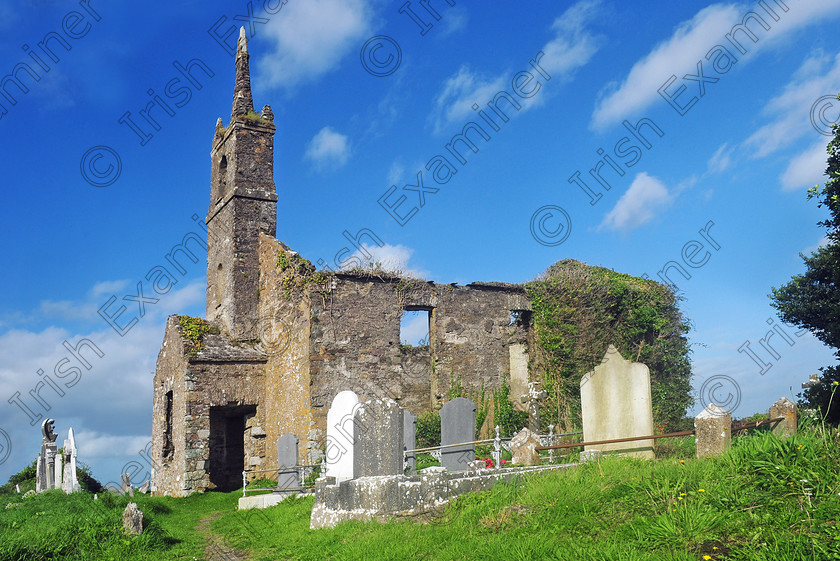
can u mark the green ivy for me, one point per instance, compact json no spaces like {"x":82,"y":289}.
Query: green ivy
{"x":509,"y":420}
{"x":579,"y":310}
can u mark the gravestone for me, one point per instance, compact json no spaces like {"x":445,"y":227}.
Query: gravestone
{"x":133,"y":520}
{"x":786,"y":409}
{"x":46,"y":467}
{"x":523,"y":447}
{"x":145,"y":487}
{"x":410,"y":441}
{"x":287,"y":457}
{"x":615,"y":403}
{"x":457,"y":424}
{"x":713,"y":432}
{"x":341,"y":435}
{"x":70,"y":483}
{"x":379,"y":439}
{"x":125,"y":484}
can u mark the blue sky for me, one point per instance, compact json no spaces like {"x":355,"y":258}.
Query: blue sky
{"x":92,"y":206}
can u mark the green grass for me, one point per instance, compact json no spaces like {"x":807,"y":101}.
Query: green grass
{"x":767,"y":498}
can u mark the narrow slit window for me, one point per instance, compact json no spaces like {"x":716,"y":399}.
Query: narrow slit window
{"x":168,"y":445}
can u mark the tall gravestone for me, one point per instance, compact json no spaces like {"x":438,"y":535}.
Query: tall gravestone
{"x":341,"y":435}
{"x":288,"y":475}
{"x":70,"y":482}
{"x":410,"y":441}
{"x":615,"y":403}
{"x":457,"y":425}
{"x":47,"y":465}
{"x":379,"y":439}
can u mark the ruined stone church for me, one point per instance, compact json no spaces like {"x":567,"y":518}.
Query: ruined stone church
{"x":281,"y":339}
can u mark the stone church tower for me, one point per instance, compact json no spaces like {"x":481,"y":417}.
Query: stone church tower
{"x":281,"y":339}
{"x":243,"y":203}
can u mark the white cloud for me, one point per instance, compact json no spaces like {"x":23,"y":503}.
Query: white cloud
{"x":573,"y":44}
{"x":571,"y":47}
{"x":689,"y":43}
{"x":806,"y":169}
{"x":720,"y":160}
{"x":789,"y":113}
{"x":460,"y":92}
{"x":676,"y":55}
{"x":391,"y":258}
{"x":328,"y":149}
{"x":310,"y":39}
{"x":639,"y":205}
{"x":93,"y":444}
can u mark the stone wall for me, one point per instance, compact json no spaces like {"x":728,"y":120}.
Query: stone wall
{"x":224,"y":380}
{"x":355,"y":340}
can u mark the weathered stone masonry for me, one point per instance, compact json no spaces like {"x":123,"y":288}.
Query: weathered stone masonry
{"x":290,"y":338}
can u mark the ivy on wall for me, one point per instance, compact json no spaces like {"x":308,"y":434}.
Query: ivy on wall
{"x":579,"y":310}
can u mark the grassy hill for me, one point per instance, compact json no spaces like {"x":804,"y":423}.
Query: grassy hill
{"x":766,"y":499}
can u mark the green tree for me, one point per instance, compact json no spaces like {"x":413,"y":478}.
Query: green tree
{"x":812,"y":299}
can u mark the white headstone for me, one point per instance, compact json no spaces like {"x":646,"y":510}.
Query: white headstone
{"x":71,"y":482}
{"x":615,"y":403}
{"x":341,"y":435}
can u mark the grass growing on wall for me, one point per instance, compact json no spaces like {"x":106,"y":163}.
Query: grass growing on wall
{"x":579,"y":310}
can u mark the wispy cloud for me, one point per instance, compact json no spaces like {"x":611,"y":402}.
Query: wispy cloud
{"x":806,"y":169}
{"x":645,"y":198}
{"x":572,"y":46}
{"x":788,"y":114}
{"x":689,"y":43}
{"x":328,"y":149}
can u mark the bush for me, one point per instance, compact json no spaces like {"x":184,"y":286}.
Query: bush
{"x":428,"y":430}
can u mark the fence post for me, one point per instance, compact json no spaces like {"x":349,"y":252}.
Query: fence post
{"x":244,"y":482}
{"x":551,"y":443}
{"x":497,"y":448}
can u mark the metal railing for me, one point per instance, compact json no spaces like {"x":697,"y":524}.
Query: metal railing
{"x":301,"y":471}
{"x":498,"y":444}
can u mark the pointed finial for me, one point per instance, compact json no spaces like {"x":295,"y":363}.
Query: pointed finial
{"x":242,"y":100}
{"x":242,"y":44}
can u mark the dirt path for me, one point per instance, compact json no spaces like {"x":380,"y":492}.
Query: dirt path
{"x":216,"y":549}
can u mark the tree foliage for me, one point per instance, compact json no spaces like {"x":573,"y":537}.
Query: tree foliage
{"x":812,"y":299}
{"x":579,"y":310}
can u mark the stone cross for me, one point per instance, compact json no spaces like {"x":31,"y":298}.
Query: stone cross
{"x":379,"y":439}
{"x":457,"y":425}
{"x":410,"y":441}
{"x":713,"y":431}
{"x":341,"y":436}
{"x":288,"y":475}
{"x":535,"y":397}
{"x":787,"y":409}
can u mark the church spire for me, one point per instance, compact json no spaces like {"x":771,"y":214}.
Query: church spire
{"x":242,"y":100}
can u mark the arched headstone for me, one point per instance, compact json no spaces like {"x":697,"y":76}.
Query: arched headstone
{"x":341,"y":435}
{"x":457,"y":424}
